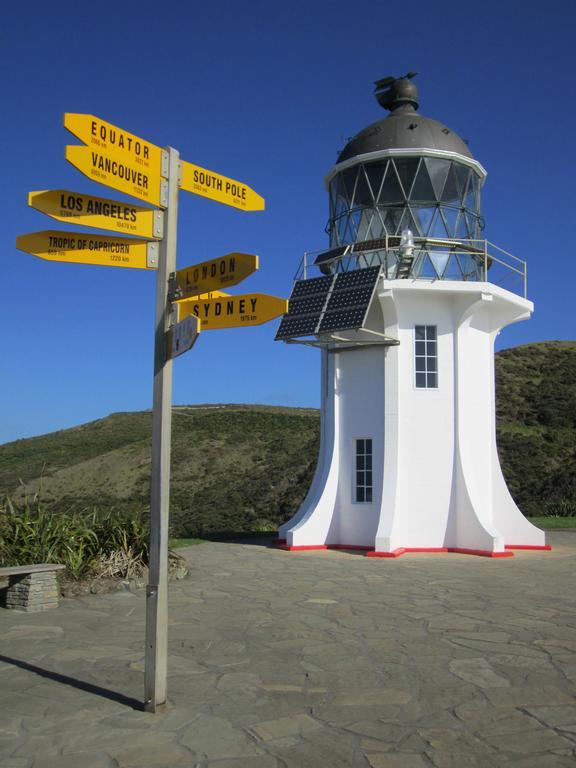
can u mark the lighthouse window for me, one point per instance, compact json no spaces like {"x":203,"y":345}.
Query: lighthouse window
{"x":426,"y":357}
{"x":364,"y":470}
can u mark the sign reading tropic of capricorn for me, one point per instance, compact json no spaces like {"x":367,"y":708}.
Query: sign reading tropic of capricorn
{"x":187,"y":300}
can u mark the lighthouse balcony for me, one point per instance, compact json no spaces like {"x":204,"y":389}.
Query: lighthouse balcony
{"x":424,"y":258}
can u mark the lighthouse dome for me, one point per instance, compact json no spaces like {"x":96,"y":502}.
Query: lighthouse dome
{"x":404,"y":128}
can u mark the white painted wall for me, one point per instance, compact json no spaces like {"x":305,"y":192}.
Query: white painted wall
{"x":437,"y":478}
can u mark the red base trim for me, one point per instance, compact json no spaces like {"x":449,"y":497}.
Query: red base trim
{"x":480,"y":552}
{"x":281,"y":543}
{"x":401,"y":550}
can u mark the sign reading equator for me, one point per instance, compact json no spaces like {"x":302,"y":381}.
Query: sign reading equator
{"x":98,"y":212}
{"x":78,"y":248}
{"x":233,"y":311}
{"x":214,"y":274}
{"x":110,"y":139}
{"x":222,"y":189}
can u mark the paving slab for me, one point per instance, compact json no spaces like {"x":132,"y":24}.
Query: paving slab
{"x":285,"y":659}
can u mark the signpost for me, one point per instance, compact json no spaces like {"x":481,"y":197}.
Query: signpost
{"x":187,"y":300}
{"x":233,"y":311}
{"x":216,"y":273}
{"x":79,"y":248}
{"x":98,"y":212}
{"x":205,"y":183}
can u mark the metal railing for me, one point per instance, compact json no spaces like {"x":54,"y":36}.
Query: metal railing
{"x":430,"y":259}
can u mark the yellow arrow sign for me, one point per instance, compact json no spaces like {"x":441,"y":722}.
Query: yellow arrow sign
{"x":233,"y":311}
{"x":216,"y":273}
{"x":90,"y":211}
{"x":123,"y":175}
{"x":206,"y":183}
{"x":108,"y":138}
{"x":90,"y":249}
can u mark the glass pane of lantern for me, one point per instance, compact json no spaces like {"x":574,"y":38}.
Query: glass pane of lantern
{"x":376,"y":173}
{"x":347,"y":183}
{"x":463,"y":174}
{"x":451,"y":191}
{"x":363,"y":194}
{"x":392,"y":218}
{"x":451,"y":219}
{"x":439,"y":259}
{"x":437,"y":170}
{"x":423,"y":217}
{"x":391,"y":191}
{"x":422,"y":190}
{"x":406,"y":168}
{"x":462,"y":227}
{"x":471,"y":199}
{"x":437,"y":226}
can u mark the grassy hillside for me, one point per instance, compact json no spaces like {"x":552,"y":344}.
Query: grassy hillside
{"x":233,"y":467}
{"x":247,"y":468}
{"x":536,"y":417}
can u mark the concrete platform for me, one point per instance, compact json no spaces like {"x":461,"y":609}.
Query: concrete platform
{"x":302,"y":660}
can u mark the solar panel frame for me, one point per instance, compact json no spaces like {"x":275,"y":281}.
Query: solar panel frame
{"x":335,"y":302}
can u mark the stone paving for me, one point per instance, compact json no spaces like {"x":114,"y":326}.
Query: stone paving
{"x":301,"y":660}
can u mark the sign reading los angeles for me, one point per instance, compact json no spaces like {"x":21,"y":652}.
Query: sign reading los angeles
{"x":216,"y":273}
{"x":90,"y":249}
{"x":206,"y":183}
{"x":90,"y":211}
{"x":233,"y":311}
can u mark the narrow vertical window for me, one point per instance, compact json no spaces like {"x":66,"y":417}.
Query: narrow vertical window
{"x":364,"y":470}
{"x":426,"y":357}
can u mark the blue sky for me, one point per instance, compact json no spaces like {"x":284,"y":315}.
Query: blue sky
{"x":265,"y":93}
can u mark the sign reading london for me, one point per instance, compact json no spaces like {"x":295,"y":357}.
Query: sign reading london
{"x":90,"y":249}
{"x":216,"y":273}
{"x":206,"y":183}
{"x":90,"y":211}
{"x":233,"y":311}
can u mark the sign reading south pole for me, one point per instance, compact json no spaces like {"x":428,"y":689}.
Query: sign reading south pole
{"x":78,"y":248}
{"x":214,"y":274}
{"x":90,"y":211}
{"x":222,"y":189}
{"x":233,"y":311}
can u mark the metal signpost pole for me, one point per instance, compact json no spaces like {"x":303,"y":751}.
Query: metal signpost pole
{"x":157,"y":589}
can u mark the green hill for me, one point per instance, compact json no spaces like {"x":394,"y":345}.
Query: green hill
{"x":247,"y":468}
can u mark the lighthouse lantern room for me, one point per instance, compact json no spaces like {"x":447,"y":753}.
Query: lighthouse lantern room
{"x":405,"y":304}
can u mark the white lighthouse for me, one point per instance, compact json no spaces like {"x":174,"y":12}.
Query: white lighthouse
{"x":405,"y":306}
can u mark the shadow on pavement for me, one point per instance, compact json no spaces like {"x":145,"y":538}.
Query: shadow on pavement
{"x":120,"y":698}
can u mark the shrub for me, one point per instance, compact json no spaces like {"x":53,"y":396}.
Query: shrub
{"x":87,"y":543}
{"x":561,"y":508}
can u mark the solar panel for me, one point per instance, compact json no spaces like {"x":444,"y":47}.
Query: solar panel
{"x":349,"y":300}
{"x":332,"y":303}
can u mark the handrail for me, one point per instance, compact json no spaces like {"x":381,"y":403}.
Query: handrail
{"x":492,"y":263}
